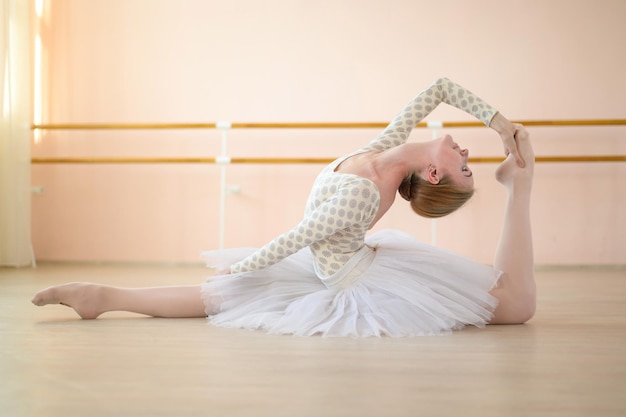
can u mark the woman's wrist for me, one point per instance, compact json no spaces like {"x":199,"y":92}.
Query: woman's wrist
{"x":501,"y":124}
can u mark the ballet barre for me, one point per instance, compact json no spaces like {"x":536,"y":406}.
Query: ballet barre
{"x":310,"y":125}
{"x":224,"y":159}
{"x":236,"y":160}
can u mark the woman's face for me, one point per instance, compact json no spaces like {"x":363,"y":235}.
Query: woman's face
{"x":451,"y":162}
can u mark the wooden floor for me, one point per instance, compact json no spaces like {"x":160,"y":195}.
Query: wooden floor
{"x":570,"y":360}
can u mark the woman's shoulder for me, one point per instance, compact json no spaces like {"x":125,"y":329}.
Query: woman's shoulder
{"x":346,"y":185}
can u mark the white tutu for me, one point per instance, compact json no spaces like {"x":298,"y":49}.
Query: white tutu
{"x":404,"y":288}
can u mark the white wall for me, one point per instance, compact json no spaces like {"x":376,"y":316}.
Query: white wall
{"x":347,"y":60}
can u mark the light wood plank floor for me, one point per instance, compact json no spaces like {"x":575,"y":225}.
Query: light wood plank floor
{"x":570,"y":360}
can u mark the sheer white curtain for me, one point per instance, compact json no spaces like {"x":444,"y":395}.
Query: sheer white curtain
{"x":15,"y":95}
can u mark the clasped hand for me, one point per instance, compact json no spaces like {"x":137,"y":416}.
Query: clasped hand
{"x":508,"y":133}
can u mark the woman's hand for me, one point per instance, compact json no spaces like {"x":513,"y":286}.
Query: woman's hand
{"x":507,"y":131}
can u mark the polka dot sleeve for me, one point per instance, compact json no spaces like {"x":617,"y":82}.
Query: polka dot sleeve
{"x":319,"y":224}
{"x":442,"y":90}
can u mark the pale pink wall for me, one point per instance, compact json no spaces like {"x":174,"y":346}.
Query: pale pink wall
{"x":203,"y":61}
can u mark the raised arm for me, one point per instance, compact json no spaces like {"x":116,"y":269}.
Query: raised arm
{"x":441,"y":91}
{"x":444,"y":91}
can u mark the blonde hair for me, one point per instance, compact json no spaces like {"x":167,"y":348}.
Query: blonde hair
{"x":433,"y":200}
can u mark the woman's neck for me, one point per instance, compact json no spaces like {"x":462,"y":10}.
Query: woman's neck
{"x":397,"y":163}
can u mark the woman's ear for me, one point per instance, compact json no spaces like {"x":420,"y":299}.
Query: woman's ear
{"x":432,"y":175}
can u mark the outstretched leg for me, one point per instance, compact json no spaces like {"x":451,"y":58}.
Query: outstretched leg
{"x":516,"y":290}
{"x":91,"y":300}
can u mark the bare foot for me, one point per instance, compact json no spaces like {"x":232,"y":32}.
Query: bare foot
{"x":84,"y":298}
{"x":509,"y":173}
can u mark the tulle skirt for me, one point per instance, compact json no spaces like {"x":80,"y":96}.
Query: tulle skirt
{"x":398,"y":287}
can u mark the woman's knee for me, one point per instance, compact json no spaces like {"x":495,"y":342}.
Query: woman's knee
{"x":515,"y":308}
{"x":524,"y":312}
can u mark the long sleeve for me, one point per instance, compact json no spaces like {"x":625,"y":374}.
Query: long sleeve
{"x":441,"y":91}
{"x":347,"y":211}
{"x":339,"y":214}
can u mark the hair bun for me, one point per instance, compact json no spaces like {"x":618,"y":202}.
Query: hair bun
{"x":406,"y":187}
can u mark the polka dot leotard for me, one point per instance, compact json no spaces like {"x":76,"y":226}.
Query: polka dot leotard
{"x":342,"y":206}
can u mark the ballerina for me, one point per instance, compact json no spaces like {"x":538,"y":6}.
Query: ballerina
{"x":326,"y":276}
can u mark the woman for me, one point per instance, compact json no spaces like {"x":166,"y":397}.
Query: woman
{"x":325,"y":277}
